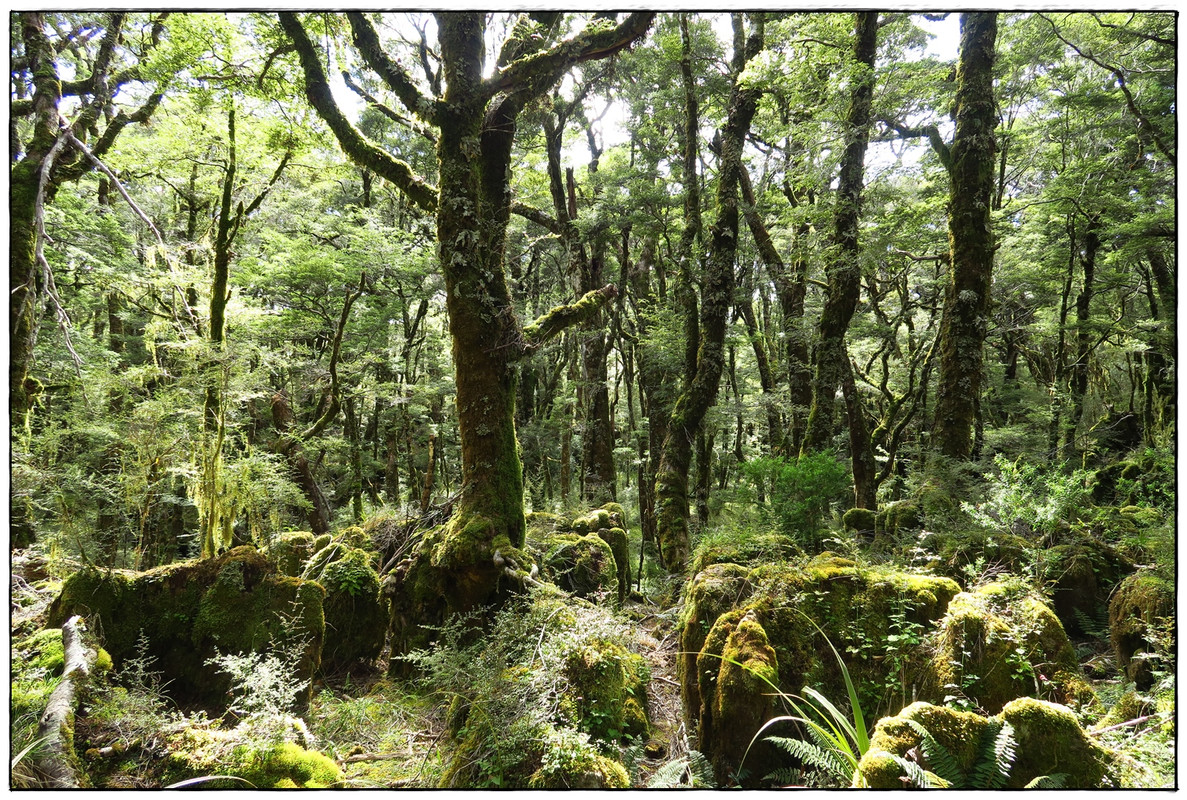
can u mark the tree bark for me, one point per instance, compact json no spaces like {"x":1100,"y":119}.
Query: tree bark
{"x":829,"y":357}
{"x":56,"y":727}
{"x":966,"y":298}
{"x":671,"y":486}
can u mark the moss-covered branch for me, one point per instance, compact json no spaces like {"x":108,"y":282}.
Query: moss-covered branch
{"x":366,"y":41}
{"x":357,"y":146}
{"x":561,"y":317}
{"x":598,"y":40}
{"x":537,"y":216}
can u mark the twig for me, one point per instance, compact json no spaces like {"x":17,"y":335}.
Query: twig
{"x":1130,"y":723}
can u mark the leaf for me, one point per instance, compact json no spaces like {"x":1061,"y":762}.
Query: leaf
{"x":206,"y":779}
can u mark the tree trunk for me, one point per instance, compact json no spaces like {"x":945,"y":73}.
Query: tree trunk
{"x":966,"y":298}
{"x":671,"y":486}
{"x":829,"y":357}
{"x":1078,"y":384}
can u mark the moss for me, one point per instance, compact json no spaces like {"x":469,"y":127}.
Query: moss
{"x":751,"y":548}
{"x":289,"y":551}
{"x":321,"y":541}
{"x":604,"y":678}
{"x":235,"y":603}
{"x":584,"y":565}
{"x":593,"y":522}
{"x":102,"y":661}
{"x":355,"y":610}
{"x":1082,"y":575}
{"x":711,"y":593}
{"x":1141,"y":601}
{"x":1001,"y":642}
{"x":861,"y":520}
{"x":1047,"y":736}
{"x":199,"y":751}
{"x":1051,"y":741}
{"x":617,"y":539}
{"x":742,"y":701}
{"x":43,"y":650}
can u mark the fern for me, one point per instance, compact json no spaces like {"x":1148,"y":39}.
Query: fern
{"x":813,"y":755}
{"x":992,"y":765}
{"x":689,"y":772}
{"x":942,"y":762}
{"x":1053,"y":781}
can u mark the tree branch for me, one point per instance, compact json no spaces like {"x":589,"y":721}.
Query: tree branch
{"x":385,"y":110}
{"x":335,"y":401}
{"x":356,"y":146}
{"x":537,"y":216}
{"x":366,"y":41}
{"x":596,"y":41}
{"x":562,"y":317}
{"x":932,"y":134}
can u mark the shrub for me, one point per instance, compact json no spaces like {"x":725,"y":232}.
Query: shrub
{"x":802,"y":492}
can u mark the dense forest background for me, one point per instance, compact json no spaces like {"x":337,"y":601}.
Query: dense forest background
{"x":753,"y":288}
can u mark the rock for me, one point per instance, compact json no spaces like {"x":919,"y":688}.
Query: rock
{"x":1001,"y":642}
{"x":355,"y":610}
{"x":235,"y":603}
{"x":290,"y":550}
{"x":1048,"y":740}
{"x":1139,"y":603}
{"x":581,"y":564}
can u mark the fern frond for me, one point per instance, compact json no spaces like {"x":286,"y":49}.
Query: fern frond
{"x":813,"y":755}
{"x":918,"y":776}
{"x":1004,"y":751}
{"x":701,"y":771}
{"x":670,"y":775}
{"x":942,"y":762}
{"x":994,"y":758}
{"x":1052,"y":781}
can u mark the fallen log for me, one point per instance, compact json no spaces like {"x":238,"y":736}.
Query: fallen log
{"x":57,"y":759}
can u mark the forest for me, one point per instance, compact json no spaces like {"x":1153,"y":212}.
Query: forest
{"x":592,"y":400}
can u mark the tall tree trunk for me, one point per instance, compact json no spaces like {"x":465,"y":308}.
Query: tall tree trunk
{"x":1078,"y":385}
{"x":829,"y":358}
{"x":966,"y":298}
{"x":671,"y":486}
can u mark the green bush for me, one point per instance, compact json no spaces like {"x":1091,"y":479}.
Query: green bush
{"x":801,"y":492}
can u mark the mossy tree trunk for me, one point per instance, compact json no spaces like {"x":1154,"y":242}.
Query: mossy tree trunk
{"x":966,"y":298}
{"x":1078,"y":385}
{"x":671,"y":485}
{"x":46,"y":161}
{"x":476,"y":117}
{"x":829,"y":356}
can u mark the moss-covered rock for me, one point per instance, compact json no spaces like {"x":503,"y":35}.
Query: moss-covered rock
{"x":904,"y":515}
{"x":235,"y":603}
{"x":196,"y":752}
{"x":1048,"y":741}
{"x":1082,"y":574}
{"x":1141,"y":601}
{"x":608,"y":697}
{"x":616,"y":538}
{"x":581,"y":564}
{"x":594,"y":521}
{"x":1001,"y":642}
{"x":953,"y":550}
{"x":739,"y":689}
{"x":860,"y":520}
{"x":858,"y":608}
{"x":750,"y":547}
{"x":290,"y":550}
{"x":355,"y":609}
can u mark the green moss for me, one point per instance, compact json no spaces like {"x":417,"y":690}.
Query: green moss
{"x":593,"y":522}
{"x":584,"y":565}
{"x":750,"y":547}
{"x":1051,"y":741}
{"x":1047,"y":736}
{"x":321,"y":542}
{"x":617,"y":539}
{"x":286,"y":763}
{"x":235,"y":603}
{"x":289,"y":551}
{"x":355,"y":610}
{"x":742,"y":701}
{"x":43,"y":650}
{"x":102,"y":661}
{"x":998,"y":643}
{"x":861,"y":520}
{"x":1141,"y":601}
{"x":617,"y":514}
{"x":900,"y":516}
{"x":604,"y":678}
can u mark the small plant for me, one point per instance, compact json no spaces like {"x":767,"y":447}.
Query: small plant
{"x":1026,"y":498}
{"x":264,"y":689}
{"x":692,"y":771}
{"x":991,"y":769}
{"x":835,"y":741}
{"x":802,"y":492}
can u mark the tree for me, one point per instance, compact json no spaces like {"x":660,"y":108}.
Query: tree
{"x":966,"y":298}
{"x":475,"y":117}
{"x":700,"y":391}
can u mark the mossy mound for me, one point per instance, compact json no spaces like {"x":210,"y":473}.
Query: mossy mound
{"x":1001,"y":642}
{"x":355,"y":609}
{"x":860,"y":520}
{"x":1140,"y":602}
{"x":453,"y":569}
{"x":42,"y":651}
{"x":953,"y":550}
{"x":616,"y":538}
{"x":197,"y":752}
{"x":859,"y":609}
{"x":581,"y":564}
{"x":608,"y":694}
{"x":289,"y":551}
{"x":185,"y":611}
{"x":904,"y":515}
{"x":1048,"y":740}
{"x":752,"y":547}
{"x":1082,"y":574}
{"x":736,"y":673}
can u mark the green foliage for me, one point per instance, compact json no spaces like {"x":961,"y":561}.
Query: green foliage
{"x":692,"y":771}
{"x":1032,"y":496}
{"x":991,"y":768}
{"x":264,"y":686}
{"x":802,"y":493}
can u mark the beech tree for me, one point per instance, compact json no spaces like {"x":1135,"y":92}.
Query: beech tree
{"x":461,"y":565}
